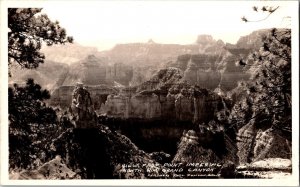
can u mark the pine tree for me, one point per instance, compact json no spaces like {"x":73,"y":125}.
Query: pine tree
{"x":268,"y":93}
{"x":31,"y":123}
{"x":28,"y":29}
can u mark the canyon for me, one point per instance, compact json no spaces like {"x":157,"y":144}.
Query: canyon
{"x":207,"y":63}
{"x":164,"y":100}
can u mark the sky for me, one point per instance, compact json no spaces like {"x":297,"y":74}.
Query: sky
{"x":103,"y":24}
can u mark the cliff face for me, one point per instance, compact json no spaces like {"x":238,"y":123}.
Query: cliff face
{"x":165,"y":96}
{"x":190,"y":151}
{"x":232,"y":73}
{"x":67,"y":53}
{"x":211,"y":71}
{"x":148,"y":53}
{"x":150,"y":57}
{"x":200,"y":69}
{"x":139,"y":106}
{"x":215,"y":63}
{"x":120,"y":73}
{"x":162,"y":79}
{"x":62,"y":96}
{"x":206,"y":63}
{"x":93,"y":71}
{"x":99,"y":78}
{"x":100,"y":153}
{"x":52,"y":170}
{"x":253,"y":40}
{"x":214,"y":149}
{"x":96,"y":152}
{"x":257,"y":144}
{"x":47,"y":74}
{"x":208,"y":45}
{"x":89,"y":71}
{"x":247,"y":44}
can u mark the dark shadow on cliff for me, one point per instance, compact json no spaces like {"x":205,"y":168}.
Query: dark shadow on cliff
{"x":94,"y":158}
{"x":100,"y":153}
{"x":151,"y":135}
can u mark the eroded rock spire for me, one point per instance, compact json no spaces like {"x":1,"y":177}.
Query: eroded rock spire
{"x":82,"y":107}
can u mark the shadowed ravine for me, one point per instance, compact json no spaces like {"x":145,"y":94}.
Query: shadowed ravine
{"x":150,"y":135}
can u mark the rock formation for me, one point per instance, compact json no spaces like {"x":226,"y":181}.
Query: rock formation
{"x":269,"y":144}
{"x":94,"y":71}
{"x":90,"y":71}
{"x":147,"y":53}
{"x":165,"y":95}
{"x":256,"y":144}
{"x":48,"y":74}
{"x":210,"y":70}
{"x":68,"y":53}
{"x":203,"y":63}
{"x":205,"y":147}
{"x":181,"y":94}
{"x":161,"y":157}
{"x":119,"y":72}
{"x":101,"y":153}
{"x":54,"y":169}
{"x":96,"y":152}
{"x":189,"y":150}
{"x":205,"y":39}
{"x":82,"y":108}
{"x":62,"y":96}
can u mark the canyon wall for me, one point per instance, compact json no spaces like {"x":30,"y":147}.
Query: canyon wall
{"x":206,"y":63}
{"x":255,"y":144}
{"x":62,"y":96}
{"x":165,"y":96}
{"x":211,"y":71}
{"x":93,"y":71}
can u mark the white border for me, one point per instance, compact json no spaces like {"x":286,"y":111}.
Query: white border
{"x":293,"y":180}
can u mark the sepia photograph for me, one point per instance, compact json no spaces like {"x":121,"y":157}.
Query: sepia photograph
{"x":158,"y":92}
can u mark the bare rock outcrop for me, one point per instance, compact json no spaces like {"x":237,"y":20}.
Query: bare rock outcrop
{"x":255,"y":144}
{"x":96,"y":152}
{"x":245,"y":142}
{"x":189,"y":150}
{"x":62,"y":96}
{"x":82,"y":107}
{"x":100,"y":153}
{"x":90,"y":71}
{"x":268,"y":144}
{"x":166,"y":95}
{"x":53,"y":169}
{"x":204,"y":148}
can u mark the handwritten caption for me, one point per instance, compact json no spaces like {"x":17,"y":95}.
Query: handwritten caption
{"x":173,"y":170}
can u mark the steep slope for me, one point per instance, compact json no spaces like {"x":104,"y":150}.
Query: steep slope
{"x":216,"y":64}
{"x":48,"y":74}
{"x":67,"y":53}
{"x":207,"y":63}
{"x":163,"y":77}
{"x":147,"y":58}
{"x":255,"y":144}
{"x":166,"y":95}
{"x":53,"y":170}
{"x":101,"y":153}
{"x":89,"y":71}
{"x":147,"y":53}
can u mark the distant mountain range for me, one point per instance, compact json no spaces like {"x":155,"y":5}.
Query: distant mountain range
{"x":207,"y":62}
